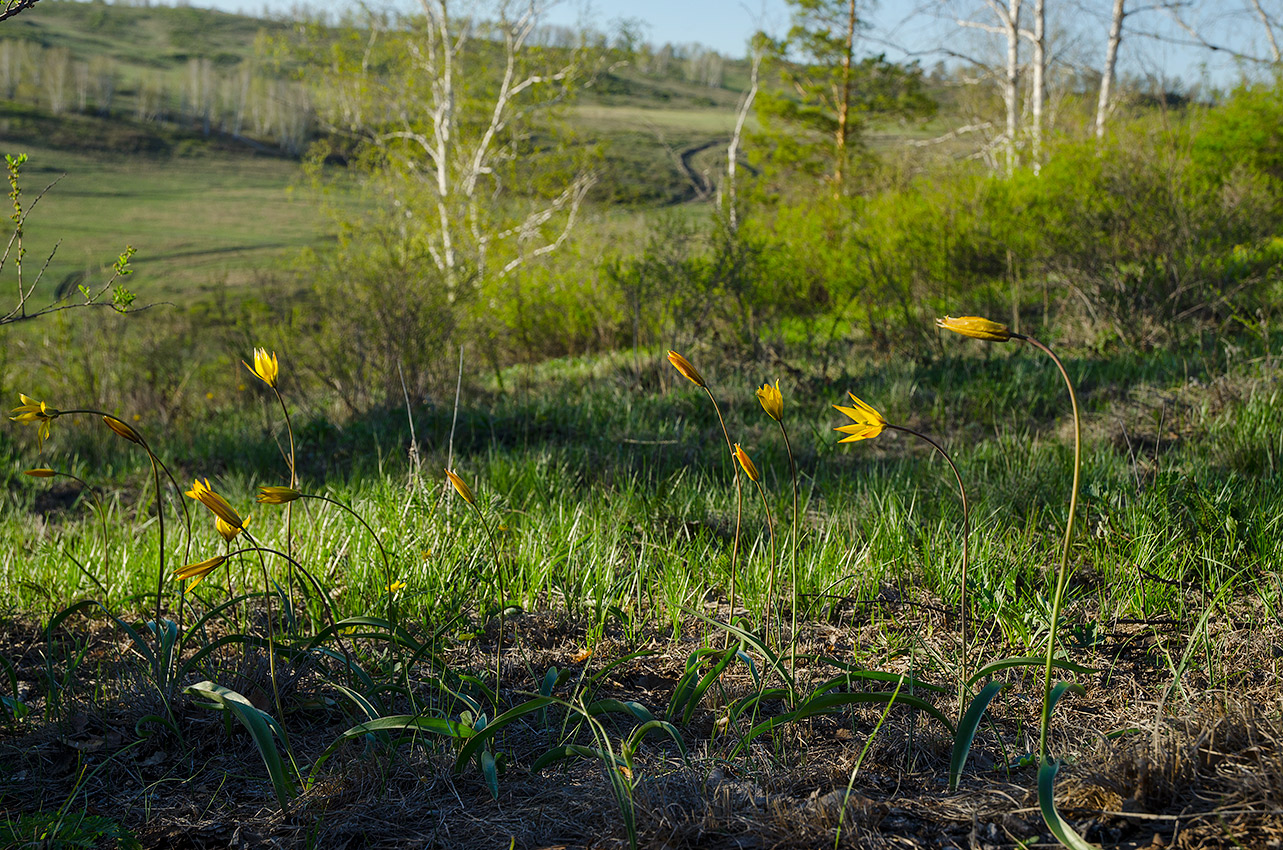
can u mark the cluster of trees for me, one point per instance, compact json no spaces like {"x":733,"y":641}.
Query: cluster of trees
{"x":475,"y":199}
{"x":237,"y":99}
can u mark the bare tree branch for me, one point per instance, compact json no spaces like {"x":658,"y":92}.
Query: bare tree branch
{"x":13,"y":7}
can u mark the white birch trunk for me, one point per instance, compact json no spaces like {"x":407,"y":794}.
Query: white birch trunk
{"x":1039,"y":93}
{"x":732,"y":150}
{"x":1011,"y":84}
{"x":1111,"y":61}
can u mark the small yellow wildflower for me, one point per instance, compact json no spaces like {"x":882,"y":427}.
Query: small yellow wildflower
{"x":277,"y":495}
{"x":772,"y":401}
{"x":42,"y":472}
{"x":461,"y":487}
{"x":209,"y":396}
{"x":265,"y":366}
{"x":681,"y":364}
{"x":198,"y":571}
{"x":396,"y":587}
{"x":32,"y":412}
{"x":202,"y":493}
{"x":227,"y":531}
{"x":122,"y":429}
{"x":975,"y":327}
{"x":750,"y":469}
{"x":867,"y":421}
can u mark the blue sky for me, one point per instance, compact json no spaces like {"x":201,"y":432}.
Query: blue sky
{"x":726,"y":26}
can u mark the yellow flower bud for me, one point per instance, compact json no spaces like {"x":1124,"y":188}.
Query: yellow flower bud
{"x":746,"y":462}
{"x":681,"y":364}
{"x":976,"y":327}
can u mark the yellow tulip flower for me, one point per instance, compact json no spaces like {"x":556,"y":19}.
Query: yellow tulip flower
{"x":265,"y":366}
{"x":866,"y":422}
{"x":202,"y":493}
{"x":772,"y":401}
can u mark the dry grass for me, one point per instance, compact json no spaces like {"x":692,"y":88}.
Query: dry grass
{"x":1207,"y":773}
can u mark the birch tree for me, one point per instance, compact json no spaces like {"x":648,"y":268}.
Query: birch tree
{"x":1008,"y":27}
{"x":1111,"y":62}
{"x":442,"y":103}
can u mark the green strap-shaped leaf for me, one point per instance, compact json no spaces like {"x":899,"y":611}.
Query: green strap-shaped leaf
{"x":966,"y":733}
{"x":368,"y":627}
{"x":774,"y":661}
{"x":639,"y":734}
{"x":686,"y":684}
{"x":828,"y":703}
{"x":1063,"y":832}
{"x":481,"y":736}
{"x":260,"y":726}
{"x":910,"y":682}
{"x":1025,"y":661}
{"x":614,"y":706}
{"x":1059,"y":691}
{"x":571,"y":751}
{"x":413,"y":723}
{"x":701,"y":688}
{"x":752,"y":701}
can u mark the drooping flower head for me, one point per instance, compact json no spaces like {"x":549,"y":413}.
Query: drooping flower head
{"x":122,"y":429}
{"x":975,"y":327}
{"x":772,"y":401}
{"x":228,"y":531}
{"x":41,"y":472}
{"x":32,"y":412}
{"x":277,"y":495}
{"x":198,"y":571}
{"x":746,"y":462}
{"x":202,"y":493}
{"x":681,"y":364}
{"x":866,"y":422}
{"x":265,"y":366}
{"x":461,"y":487}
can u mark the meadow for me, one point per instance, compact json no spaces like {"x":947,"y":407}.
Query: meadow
{"x":268,"y":576}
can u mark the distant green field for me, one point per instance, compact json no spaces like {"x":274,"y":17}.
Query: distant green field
{"x":198,"y":223}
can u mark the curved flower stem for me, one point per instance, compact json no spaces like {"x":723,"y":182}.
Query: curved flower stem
{"x":503,"y":597}
{"x":770,"y":581}
{"x":966,"y":538}
{"x":387,"y":566}
{"x":1062,"y":576}
{"x":160,"y":514}
{"x":739,"y":512}
{"x":289,"y":507}
{"x":160,"y":524}
{"x":102,"y":518}
{"x":793,"y":579}
{"x":271,"y":628}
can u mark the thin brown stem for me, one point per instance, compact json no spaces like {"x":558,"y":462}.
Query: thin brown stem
{"x":387,"y":566}
{"x":793,"y":578}
{"x":966,"y":538}
{"x":1062,"y":576}
{"x":289,"y":506}
{"x":770,"y":580}
{"x":503,"y":598}
{"x":739,"y":510}
{"x":160,"y":525}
